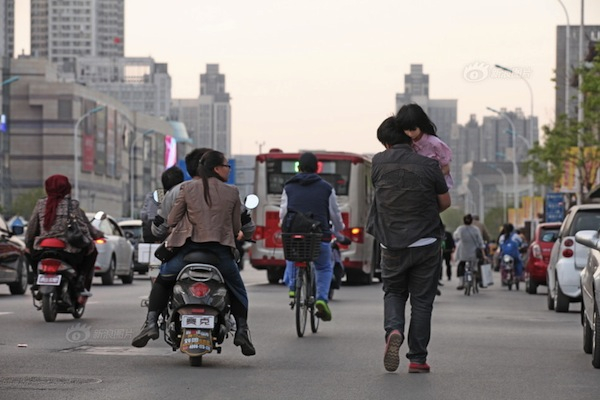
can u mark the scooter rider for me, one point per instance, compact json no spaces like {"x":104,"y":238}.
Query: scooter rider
{"x":199,"y":222}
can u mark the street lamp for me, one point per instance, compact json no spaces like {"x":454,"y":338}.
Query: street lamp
{"x":514,"y":158}
{"x":131,"y":168}
{"x":567,"y":59}
{"x":504,"y":215}
{"x":530,"y":98}
{"x":76,"y":146}
{"x":11,"y":80}
{"x":5,"y":188}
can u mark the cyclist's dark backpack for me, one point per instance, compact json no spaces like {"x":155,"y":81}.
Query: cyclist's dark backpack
{"x":298,"y":222}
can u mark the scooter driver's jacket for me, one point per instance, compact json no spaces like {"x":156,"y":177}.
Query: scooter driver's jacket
{"x":405,"y":208}
{"x":309,"y":193}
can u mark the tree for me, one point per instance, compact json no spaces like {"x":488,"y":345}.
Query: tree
{"x":24,"y":203}
{"x":569,"y":142}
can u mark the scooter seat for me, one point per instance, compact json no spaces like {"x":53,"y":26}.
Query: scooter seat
{"x":52,"y":243}
{"x":204,"y":257}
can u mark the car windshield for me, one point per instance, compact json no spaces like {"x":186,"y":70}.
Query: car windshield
{"x":585,"y":220}
{"x":135,"y":231}
{"x":548,"y":235}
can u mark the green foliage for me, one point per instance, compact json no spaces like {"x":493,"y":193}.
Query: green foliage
{"x":24,"y":203}
{"x":452,"y":218}
{"x":547,"y":161}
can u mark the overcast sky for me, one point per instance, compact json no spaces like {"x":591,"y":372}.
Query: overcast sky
{"x":318,"y":74}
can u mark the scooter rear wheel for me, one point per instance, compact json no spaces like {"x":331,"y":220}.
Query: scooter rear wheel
{"x":196,"y":361}
{"x":49,"y":307}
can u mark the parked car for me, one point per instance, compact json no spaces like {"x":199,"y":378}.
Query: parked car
{"x":13,"y":262}
{"x":568,"y":257}
{"x":115,"y":253}
{"x":590,"y":294}
{"x":132,"y":228}
{"x":538,"y":255}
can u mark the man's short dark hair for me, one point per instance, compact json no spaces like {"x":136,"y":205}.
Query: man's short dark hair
{"x":192,"y":160}
{"x":388,"y":134}
{"x":308,"y":163}
{"x":171,"y":177}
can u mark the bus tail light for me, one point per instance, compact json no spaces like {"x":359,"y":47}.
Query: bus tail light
{"x":357,"y":235}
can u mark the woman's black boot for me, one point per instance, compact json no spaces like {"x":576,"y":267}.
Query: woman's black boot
{"x":149,"y":330}
{"x":242,"y":337}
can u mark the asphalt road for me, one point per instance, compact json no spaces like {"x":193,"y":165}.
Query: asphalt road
{"x":495,"y":345}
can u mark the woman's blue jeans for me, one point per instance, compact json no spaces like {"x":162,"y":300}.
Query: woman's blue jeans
{"x":323,"y":272}
{"x":227,"y":266}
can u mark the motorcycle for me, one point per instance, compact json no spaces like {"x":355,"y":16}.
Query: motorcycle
{"x":56,"y":280}
{"x":198,"y":317}
{"x":508,"y":272}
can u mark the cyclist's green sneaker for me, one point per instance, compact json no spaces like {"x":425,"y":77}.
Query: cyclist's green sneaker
{"x":292,"y":294}
{"x":323,"y":310}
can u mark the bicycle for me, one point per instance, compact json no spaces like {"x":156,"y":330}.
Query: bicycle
{"x":470,"y":278}
{"x":303,"y":249}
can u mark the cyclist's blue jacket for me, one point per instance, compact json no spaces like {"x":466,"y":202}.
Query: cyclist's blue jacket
{"x":309,"y":193}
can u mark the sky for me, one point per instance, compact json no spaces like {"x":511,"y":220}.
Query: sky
{"x":322,"y":75}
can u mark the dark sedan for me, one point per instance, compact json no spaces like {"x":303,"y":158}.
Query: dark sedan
{"x":13,"y":262}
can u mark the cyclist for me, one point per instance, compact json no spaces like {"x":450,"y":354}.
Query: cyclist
{"x":308,"y":193}
{"x":510,"y":242}
{"x":469,"y":238}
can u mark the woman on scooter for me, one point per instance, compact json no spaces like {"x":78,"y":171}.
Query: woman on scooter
{"x":205,"y":216}
{"x":49,"y":220}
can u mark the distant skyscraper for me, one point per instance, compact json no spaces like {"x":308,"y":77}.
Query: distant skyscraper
{"x":416,"y":90}
{"x":208,"y":118}
{"x":138,"y":82}
{"x":7,"y":28}
{"x":591,"y":34}
{"x":64,"y":30}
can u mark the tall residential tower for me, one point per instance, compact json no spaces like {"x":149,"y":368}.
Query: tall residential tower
{"x":62,"y":30}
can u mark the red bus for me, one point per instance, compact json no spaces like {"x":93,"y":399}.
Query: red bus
{"x":350,"y":176}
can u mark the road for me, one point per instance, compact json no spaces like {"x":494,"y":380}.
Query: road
{"x":495,"y":345}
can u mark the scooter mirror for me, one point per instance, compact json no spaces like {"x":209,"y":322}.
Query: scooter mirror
{"x":251,"y":201}
{"x":158,"y":195}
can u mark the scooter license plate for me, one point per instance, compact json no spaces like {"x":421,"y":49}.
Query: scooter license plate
{"x":51,"y":280}
{"x":196,"y":342}
{"x":198,"y":321}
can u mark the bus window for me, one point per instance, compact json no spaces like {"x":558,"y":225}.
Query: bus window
{"x":337,"y":173}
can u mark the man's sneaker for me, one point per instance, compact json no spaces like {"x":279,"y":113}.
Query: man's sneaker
{"x":418,"y":368}
{"x":292,"y":294}
{"x":323,"y":310}
{"x":391,"y":358}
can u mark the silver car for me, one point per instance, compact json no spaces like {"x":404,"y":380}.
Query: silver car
{"x":590,"y":293}
{"x":115,"y":252}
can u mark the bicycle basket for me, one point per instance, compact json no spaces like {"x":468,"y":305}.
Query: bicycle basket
{"x":301,"y":246}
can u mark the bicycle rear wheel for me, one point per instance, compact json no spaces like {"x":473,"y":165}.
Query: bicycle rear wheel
{"x":301,"y":300}
{"x":314,"y":320}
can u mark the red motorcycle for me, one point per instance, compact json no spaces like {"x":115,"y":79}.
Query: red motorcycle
{"x":57,"y":283}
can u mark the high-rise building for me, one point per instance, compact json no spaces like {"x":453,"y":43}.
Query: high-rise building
{"x":7,"y":28}
{"x":207,"y":118}
{"x":416,"y":90}
{"x":63,"y":30}
{"x":138,"y":82}
{"x":564,"y":91}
